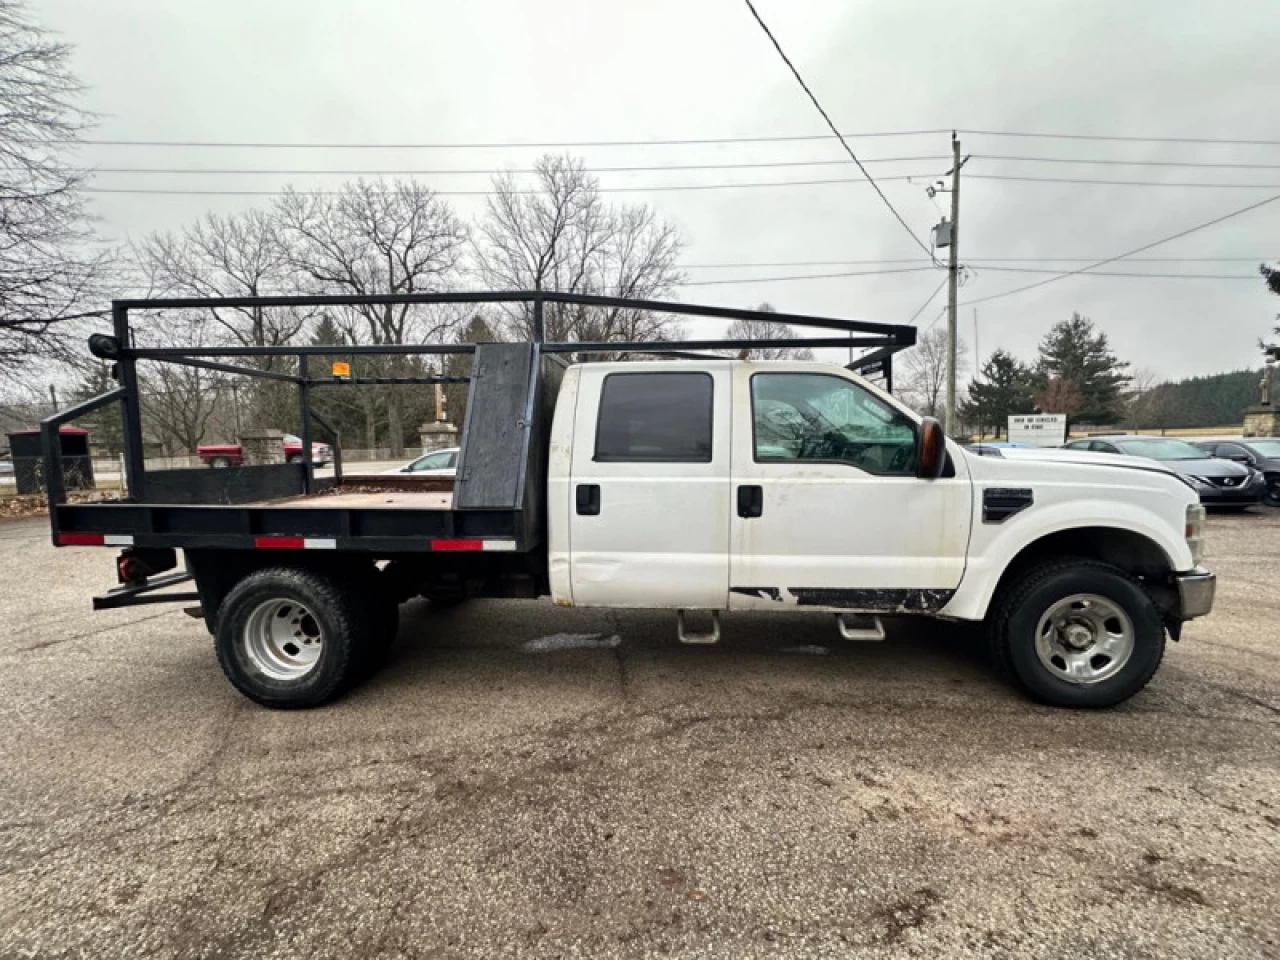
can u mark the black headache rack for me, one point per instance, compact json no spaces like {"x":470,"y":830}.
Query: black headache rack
{"x":499,"y":493}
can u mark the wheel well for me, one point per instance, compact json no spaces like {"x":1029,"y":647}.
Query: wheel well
{"x":1138,"y":556}
{"x":217,"y":571}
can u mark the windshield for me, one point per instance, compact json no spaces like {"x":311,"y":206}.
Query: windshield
{"x":1268,"y":448}
{"x":1160,"y":448}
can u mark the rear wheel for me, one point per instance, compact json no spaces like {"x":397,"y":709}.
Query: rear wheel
{"x":289,"y":638}
{"x":1078,"y":634}
{"x":220,"y":462}
{"x":294,"y":458}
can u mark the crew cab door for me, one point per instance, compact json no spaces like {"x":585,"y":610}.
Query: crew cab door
{"x":649,"y":487}
{"x":828,"y":510}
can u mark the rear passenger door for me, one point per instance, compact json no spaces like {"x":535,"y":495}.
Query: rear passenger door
{"x":649,"y":490}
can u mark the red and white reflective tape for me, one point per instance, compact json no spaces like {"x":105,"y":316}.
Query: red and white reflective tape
{"x":95,"y":540}
{"x":295,"y":543}
{"x":506,"y":546}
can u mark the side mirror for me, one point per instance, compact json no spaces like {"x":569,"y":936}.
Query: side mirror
{"x":931,"y":449}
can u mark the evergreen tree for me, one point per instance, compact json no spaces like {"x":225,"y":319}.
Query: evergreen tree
{"x":1005,"y":387}
{"x":477,"y":330}
{"x":1074,"y":353}
{"x":106,"y":430}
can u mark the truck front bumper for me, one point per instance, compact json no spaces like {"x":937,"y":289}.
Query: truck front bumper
{"x":1195,"y":592}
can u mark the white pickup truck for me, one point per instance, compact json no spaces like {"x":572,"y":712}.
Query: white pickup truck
{"x":698,"y":486}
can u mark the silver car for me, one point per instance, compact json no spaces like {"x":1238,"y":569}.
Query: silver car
{"x":437,"y":463}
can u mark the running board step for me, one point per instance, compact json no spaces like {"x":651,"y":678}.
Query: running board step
{"x":701,"y":639}
{"x":864,"y":629}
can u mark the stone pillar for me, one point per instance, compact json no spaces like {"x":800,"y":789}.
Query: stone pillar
{"x":1262,"y":422}
{"x":262,"y":446}
{"x":438,"y":435}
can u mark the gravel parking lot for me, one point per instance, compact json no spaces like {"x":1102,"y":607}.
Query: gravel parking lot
{"x":518,"y":782}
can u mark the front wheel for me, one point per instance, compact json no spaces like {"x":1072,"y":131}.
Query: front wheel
{"x":1272,"y":497}
{"x":289,"y":638}
{"x":220,"y":462}
{"x":1078,"y":633}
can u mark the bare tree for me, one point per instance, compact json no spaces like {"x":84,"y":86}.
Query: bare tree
{"x":375,"y":238}
{"x":242,"y":255}
{"x":1059,"y":395}
{"x":767,"y":330}
{"x":924,"y":383}
{"x":179,"y":401}
{"x":563,"y":236}
{"x":49,"y":268}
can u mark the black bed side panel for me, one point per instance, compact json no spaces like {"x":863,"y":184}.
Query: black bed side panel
{"x":494,"y":448}
{"x":232,"y":485}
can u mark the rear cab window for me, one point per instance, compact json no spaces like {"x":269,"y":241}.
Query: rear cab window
{"x":662,"y":417}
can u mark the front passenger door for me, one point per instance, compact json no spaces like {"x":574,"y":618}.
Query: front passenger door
{"x":833,"y":514}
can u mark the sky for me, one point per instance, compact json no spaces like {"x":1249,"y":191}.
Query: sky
{"x":557,"y":71}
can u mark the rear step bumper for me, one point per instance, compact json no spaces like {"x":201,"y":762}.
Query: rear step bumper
{"x":133,"y":595}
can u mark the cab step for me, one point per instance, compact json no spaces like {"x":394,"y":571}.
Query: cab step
{"x":701,"y":639}
{"x":861,"y":629}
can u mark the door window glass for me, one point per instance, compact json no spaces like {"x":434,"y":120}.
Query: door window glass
{"x":655,"y":417}
{"x":433,"y":461}
{"x":813,"y":416}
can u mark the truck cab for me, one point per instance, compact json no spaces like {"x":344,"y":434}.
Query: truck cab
{"x":732,"y":485}
{"x":738,"y":485}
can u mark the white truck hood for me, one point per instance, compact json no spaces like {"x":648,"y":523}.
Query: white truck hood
{"x":1058,"y":455}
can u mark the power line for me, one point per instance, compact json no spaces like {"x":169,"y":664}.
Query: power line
{"x":659,"y":188}
{"x":975,"y":263}
{"x":1127,"y":163}
{"x":1119,"y":139}
{"x":1122,"y":183}
{"x":720,"y":185}
{"x":657,"y":168}
{"x":1251,"y":277}
{"x":496,"y":145}
{"x":1142,"y":249}
{"x":805,"y":276}
{"x":936,"y":291}
{"x":657,"y":142}
{"x":236,"y":171}
{"x":844,"y":143}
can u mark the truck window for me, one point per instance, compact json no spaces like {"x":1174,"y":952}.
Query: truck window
{"x":815,"y":416}
{"x":655,"y":417}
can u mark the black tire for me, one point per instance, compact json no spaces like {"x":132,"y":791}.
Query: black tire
{"x":293,"y":458}
{"x":336,"y":614}
{"x":1272,"y":496}
{"x":1016,"y":615}
{"x":220,"y":462}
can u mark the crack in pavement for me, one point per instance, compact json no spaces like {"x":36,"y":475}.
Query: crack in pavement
{"x":82,"y":636}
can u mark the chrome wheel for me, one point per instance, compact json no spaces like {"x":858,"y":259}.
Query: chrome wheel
{"x":1084,"y":638}
{"x":283,"y":639}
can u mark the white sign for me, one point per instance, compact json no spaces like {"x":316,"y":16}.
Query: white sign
{"x":1039,"y":430}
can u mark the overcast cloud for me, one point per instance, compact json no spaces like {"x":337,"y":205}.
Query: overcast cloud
{"x":505,"y":70}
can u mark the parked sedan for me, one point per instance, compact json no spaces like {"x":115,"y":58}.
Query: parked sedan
{"x":1220,"y":483}
{"x":1261,"y":453}
{"x":438,"y":463}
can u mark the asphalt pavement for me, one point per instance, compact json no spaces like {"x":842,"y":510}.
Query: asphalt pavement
{"x":524,"y":781}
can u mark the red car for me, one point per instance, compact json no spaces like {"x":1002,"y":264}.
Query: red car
{"x":231,"y":454}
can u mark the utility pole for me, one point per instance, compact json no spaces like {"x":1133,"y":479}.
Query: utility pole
{"x":953,"y":276}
